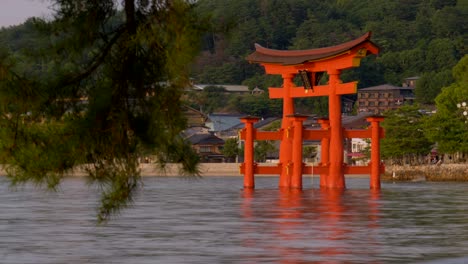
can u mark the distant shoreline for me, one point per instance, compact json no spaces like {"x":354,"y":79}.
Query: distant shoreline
{"x":206,"y":169}
{"x":443,"y":172}
{"x":171,"y":169}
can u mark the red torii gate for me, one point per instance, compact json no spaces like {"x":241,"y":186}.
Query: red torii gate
{"x":310,"y":64}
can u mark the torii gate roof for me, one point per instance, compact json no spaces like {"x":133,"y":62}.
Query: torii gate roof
{"x":292,"y":57}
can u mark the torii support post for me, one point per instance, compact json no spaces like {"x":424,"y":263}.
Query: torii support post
{"x":285,"y":155}
{"x":296,"y":177}
{"x":249,"y":182}
{"x":324,"y":150}
{"x":375,"y":152}
{"x":336,"y":175}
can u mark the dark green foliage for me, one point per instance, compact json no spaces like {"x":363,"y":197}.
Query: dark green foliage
{"x":370,"y":73}
{"x":273,"y":126}
{"x":430,"y":84}
{"x":415,"y":36}
{"x":231,"y":148}
{"x":309,"y":152}
{"x":100,"y":88}
{"x":227,"y":73}
{"x":312,"y":106}
{"x":263,"y":81}
{"x":262,"y":149}
{"x":404,"y":140}
{"x":448,"y":126}
{"x":259,"y":105}
{"x":213,"y":97}
{"x":440,"y":54}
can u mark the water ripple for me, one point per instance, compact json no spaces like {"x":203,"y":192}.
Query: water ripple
{"x":175,"y":220}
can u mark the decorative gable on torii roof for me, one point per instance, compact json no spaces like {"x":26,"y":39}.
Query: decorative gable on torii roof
{"x":298,"y":57}
{"x":313,"y":63}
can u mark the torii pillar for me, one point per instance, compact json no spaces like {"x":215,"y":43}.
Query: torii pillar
{"x":310,"y":64}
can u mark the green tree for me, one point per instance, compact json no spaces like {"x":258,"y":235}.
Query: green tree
{"x":448,"y":127}
{"x":231,"y":148}
{"x":262,"y":149}
{"x":263,"y":81}
{"x":273,"y":126}
{"x":106,"y":85}
{"x":430,"y":84}
{"x":259,"y":105}
{"x":440,"y":55}
{"x":446,"y":22}
{"x":212,"y":98}
{"x":309,"y":152}
{"x":404,"y":141}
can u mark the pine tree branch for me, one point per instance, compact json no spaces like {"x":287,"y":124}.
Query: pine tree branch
{"x":97,"y":61}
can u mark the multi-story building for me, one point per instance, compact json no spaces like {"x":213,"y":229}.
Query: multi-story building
{"x":378,"y":99}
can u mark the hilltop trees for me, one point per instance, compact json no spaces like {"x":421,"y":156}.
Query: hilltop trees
{"x":448,"y":127}
{"x":416,"y":37}
{"x":105,"y":84}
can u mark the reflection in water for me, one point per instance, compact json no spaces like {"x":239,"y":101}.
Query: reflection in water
{"x":331,"y":212}
{"x":313,"y":225}
{"x":175,"y":220}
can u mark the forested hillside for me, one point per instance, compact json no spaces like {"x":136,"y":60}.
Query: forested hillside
{"x":423,"y":38}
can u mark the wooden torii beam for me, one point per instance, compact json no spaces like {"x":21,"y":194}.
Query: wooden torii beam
{"x":310,"y":64}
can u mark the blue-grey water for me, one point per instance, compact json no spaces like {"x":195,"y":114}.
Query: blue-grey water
{"x":212,"y":220}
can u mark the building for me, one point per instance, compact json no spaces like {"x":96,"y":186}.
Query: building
{"x":194,"y":117}
{"x":219,"y":122}
{"x":411,"y":81}
{"x":378,"y":99}
{"x":207,"y":146}
{"x":238,"y":89}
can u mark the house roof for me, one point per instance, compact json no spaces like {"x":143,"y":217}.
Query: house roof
{"x":194,"y":117}
{"x":228,"y":87}
{"x":222,"y":122}
{"x":291,"y":57}
{"x":205,"y":139}
{"x":188,"y":132}
{"x":385,"y":87}
{"x":356,"y":122}
{"x":192,"y":110}
{"x":265,"y":122}
{"x":257,"y":90}
{"x":350,"y":122}
{"x":261,"y":123}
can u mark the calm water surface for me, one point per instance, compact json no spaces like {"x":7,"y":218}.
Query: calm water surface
{"x":175,"y":220}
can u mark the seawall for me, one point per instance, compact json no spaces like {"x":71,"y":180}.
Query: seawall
{"x":442,"y":172}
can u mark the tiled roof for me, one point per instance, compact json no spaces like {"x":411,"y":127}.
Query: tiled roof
{"x":291,"y":57}
{"x":222,"y":122}
{"x":385,"y":87}
{"x":227,"y":87}
{"x":356,"y":122}
{"x":261,"y":123}
{"x":205,"y":139}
